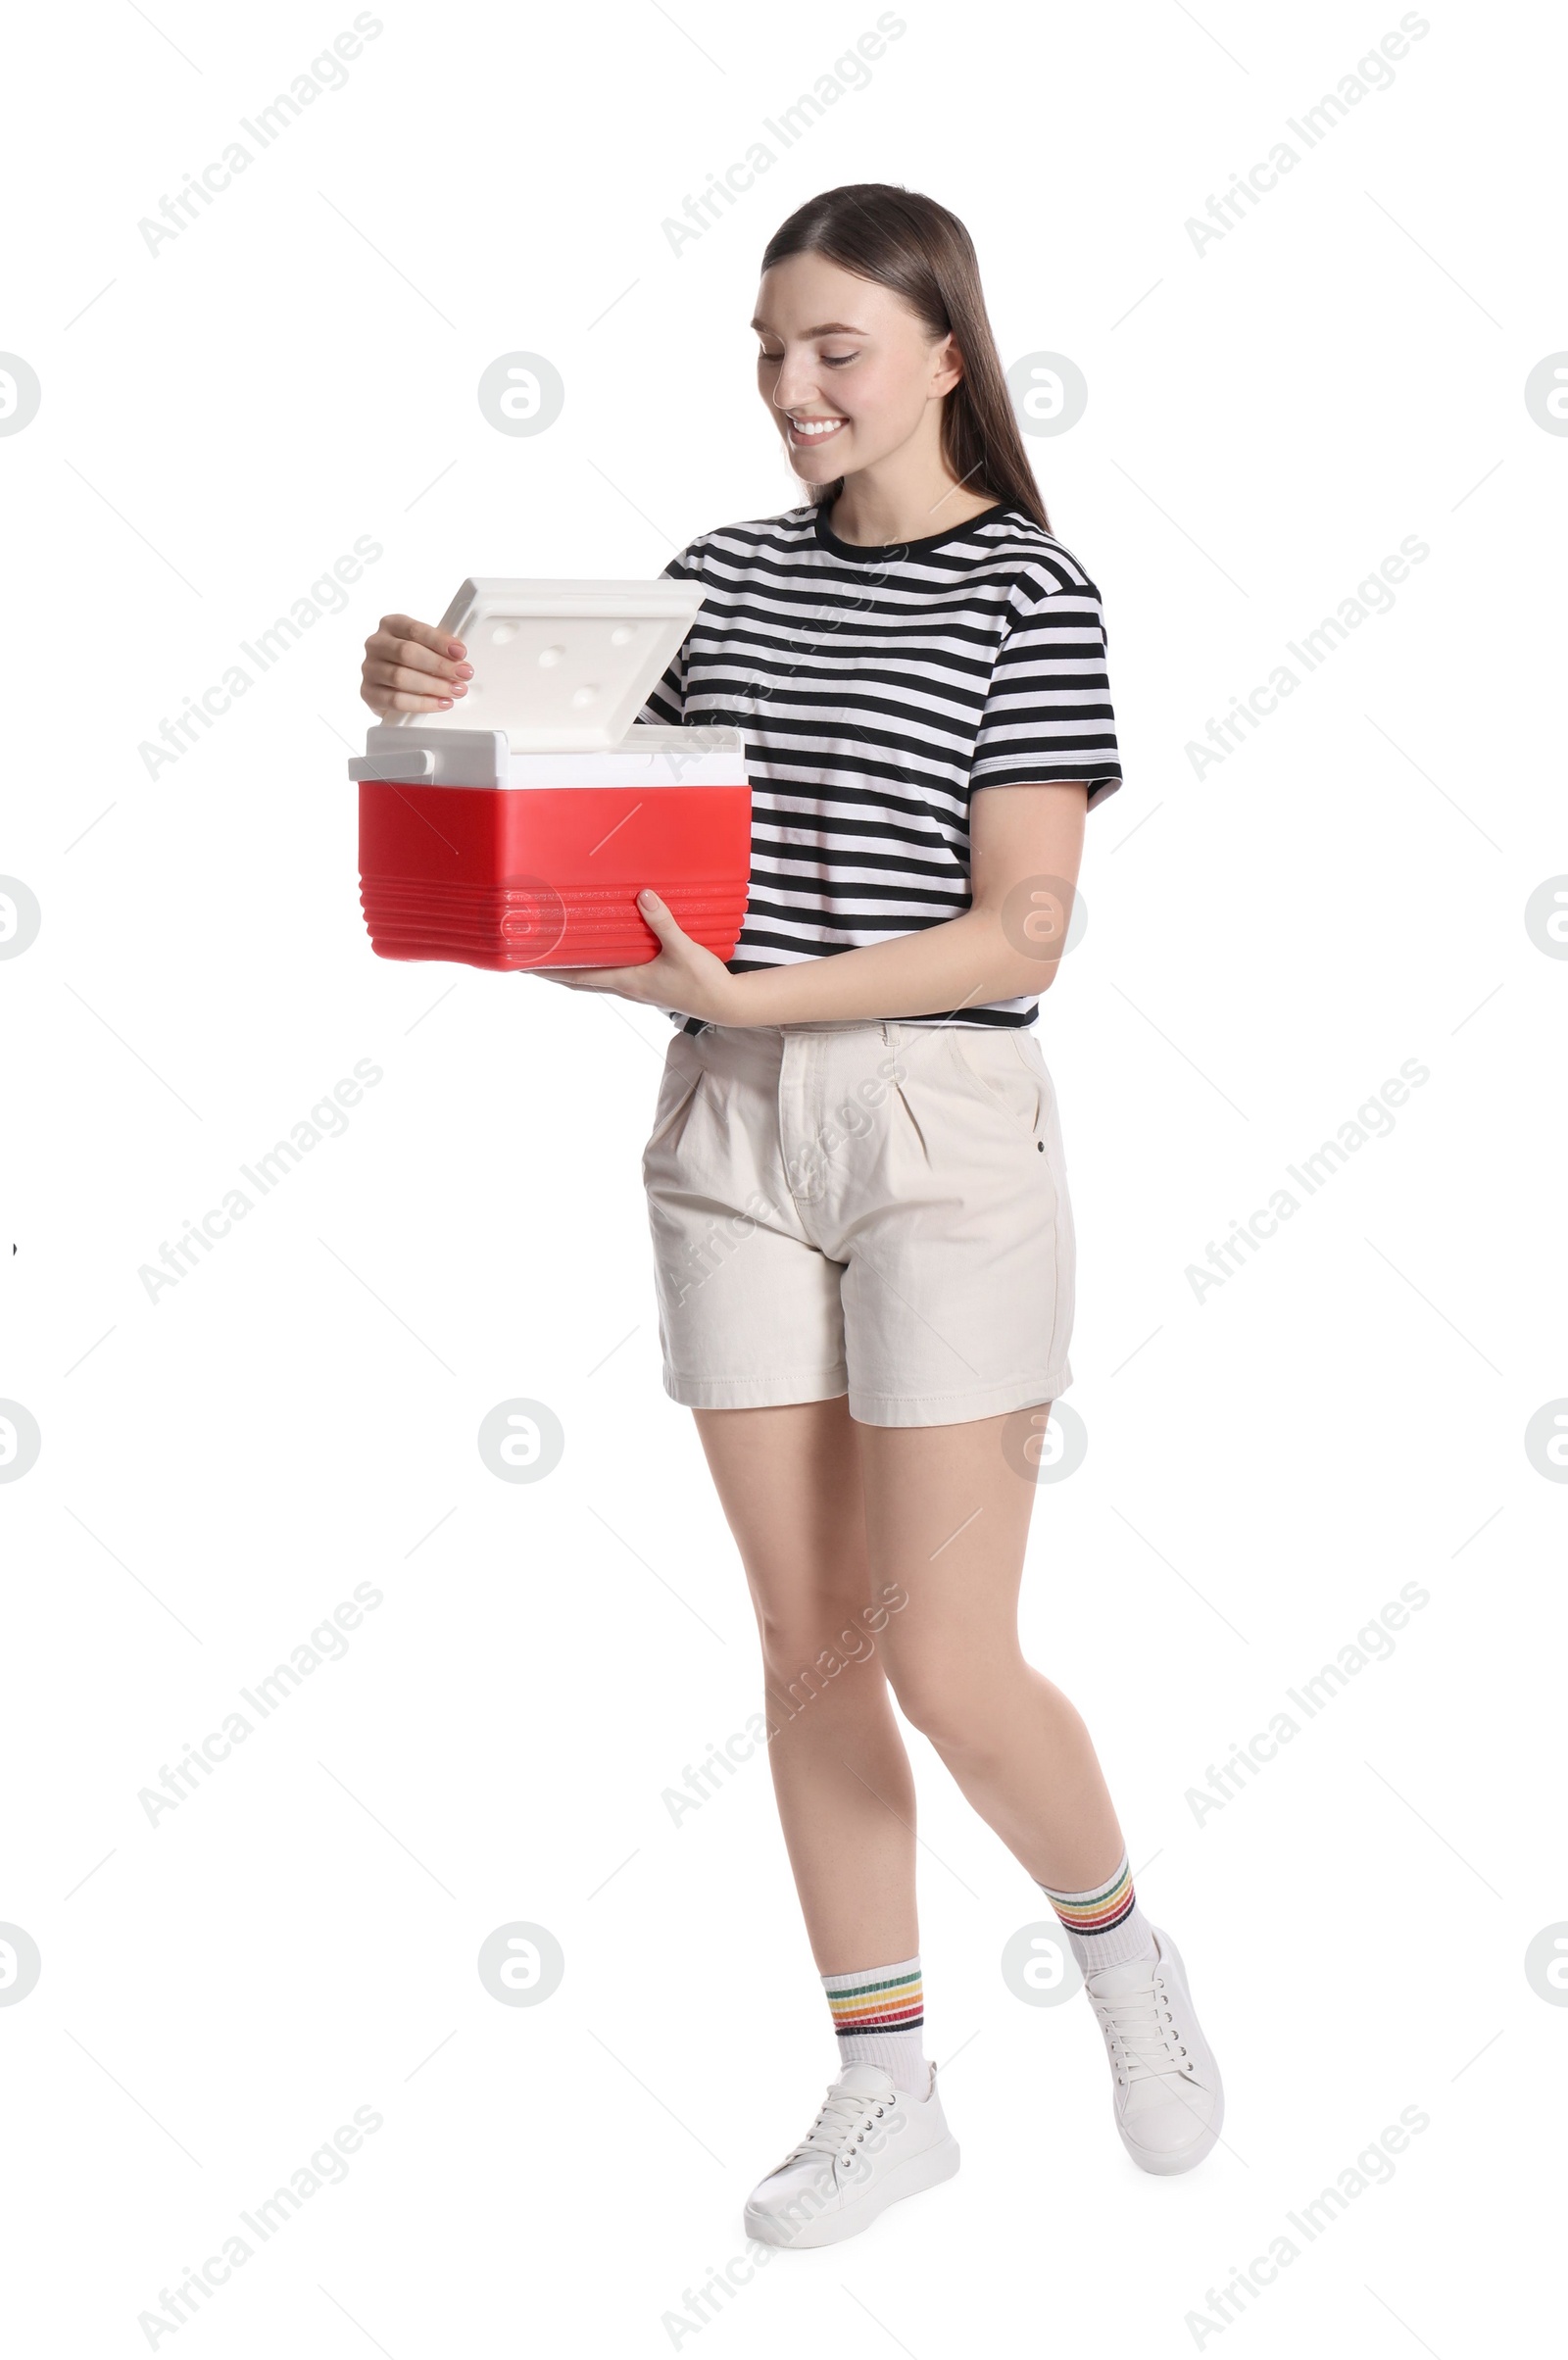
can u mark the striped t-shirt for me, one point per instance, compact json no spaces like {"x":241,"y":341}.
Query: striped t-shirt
{"x":876,"y":689}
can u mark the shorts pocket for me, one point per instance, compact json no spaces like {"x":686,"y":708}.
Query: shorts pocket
{"x":682,"y":1079}
{"x":999,"y":1077}
{"x":1032,"y":1056}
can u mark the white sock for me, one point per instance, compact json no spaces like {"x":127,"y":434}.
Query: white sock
{"x":1105,"y":1925}
{"x":877,"y":2016}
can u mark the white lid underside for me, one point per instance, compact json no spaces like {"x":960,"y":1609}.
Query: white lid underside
{"x":648,"y":756}
{"x":562,"y":666}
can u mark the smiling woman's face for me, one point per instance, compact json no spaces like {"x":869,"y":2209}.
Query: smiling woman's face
{"x":848,"y":371}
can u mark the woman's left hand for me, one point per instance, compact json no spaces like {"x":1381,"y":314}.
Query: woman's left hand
{"x":682,"y":975}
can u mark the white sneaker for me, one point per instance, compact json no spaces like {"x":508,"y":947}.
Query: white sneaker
{"x":870,"y":2145}
{"x":1168,"y":2099}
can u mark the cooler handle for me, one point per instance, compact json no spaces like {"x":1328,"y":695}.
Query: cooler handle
{"x":418,"y":762}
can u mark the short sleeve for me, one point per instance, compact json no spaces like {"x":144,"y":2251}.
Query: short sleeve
{"x":666,"y":703}
{"x":1047,"y":716}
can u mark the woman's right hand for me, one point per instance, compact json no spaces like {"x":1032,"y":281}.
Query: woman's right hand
{"x":412,"y":668}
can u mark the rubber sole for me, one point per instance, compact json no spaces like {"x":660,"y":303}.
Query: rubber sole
{"x":928,"y":2169}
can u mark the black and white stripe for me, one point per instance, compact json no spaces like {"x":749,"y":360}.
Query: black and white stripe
{"x":876,"y":690}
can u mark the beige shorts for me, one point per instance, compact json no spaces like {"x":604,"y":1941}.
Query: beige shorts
{"x":873,"y":1209}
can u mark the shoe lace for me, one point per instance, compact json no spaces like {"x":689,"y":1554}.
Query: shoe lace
{"x":1142,"y":2033}
{"x":842,"y":2122}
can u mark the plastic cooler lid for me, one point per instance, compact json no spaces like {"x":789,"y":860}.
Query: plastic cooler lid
{"x":565,"y":665}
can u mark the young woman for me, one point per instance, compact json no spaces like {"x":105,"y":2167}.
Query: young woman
{"x":856,"y":1177}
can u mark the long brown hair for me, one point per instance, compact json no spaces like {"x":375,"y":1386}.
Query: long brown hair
{"x":913,"y":245}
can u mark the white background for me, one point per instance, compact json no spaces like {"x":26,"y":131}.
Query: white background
{"x":1267,"y":943}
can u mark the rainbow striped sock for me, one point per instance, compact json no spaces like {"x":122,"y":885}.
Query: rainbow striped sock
{"x":1104,"y":1926}
{"x":877,"y":2015}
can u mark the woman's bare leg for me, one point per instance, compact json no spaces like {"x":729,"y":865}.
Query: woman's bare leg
{"x":947,"y":1517}
{"x":789,"y":1483}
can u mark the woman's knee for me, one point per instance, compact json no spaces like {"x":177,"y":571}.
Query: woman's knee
{"x":957,"y":1710}
{"x":811,"y":1641}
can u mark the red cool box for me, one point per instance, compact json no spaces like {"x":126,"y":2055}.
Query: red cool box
{"x":522,"y":838}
